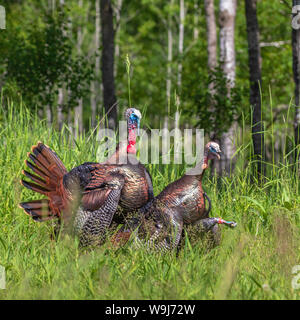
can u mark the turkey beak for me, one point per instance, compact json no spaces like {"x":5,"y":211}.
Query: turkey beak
{"x":218,"y":155}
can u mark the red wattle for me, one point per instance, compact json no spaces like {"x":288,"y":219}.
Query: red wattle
{"x":131,"y":148}
{"x":131,"y":141}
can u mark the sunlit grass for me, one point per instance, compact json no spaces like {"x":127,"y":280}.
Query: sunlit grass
{"x":254,"y":261}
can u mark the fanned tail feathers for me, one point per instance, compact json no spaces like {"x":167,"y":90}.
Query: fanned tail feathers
{"x":47,"y":180}
{"x":39,"y":210}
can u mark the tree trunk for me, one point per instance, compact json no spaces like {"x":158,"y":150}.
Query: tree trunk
{"x":169,"y":67}
{"x":78,"y":123}
{"x":118,"y":24}
{"x":70,"y":123}
{"x":196,"y":20}
{"x":49,"y":115}
{"x":51,"y":5}
{"x":60,"y":103}
{"x":227,"y":57}
{"x":211,"y":34}
{"x":95,"y":85}
{"x":296,"y":72}
{"x":180,"y":44}
{"x":109,"y":97}
{"x":180,"y":53}
{"x":61,"y":95}
{"x":70,"y":116}
{"x":93,"y":101}
{"x":255,"y":83}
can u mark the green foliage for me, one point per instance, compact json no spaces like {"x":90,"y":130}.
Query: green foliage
{"x":41,"y":57}
{"x":44,"y":61}
{"x":216,"y":108}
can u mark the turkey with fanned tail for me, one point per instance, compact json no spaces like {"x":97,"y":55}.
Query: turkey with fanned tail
{"x":91,"y":195}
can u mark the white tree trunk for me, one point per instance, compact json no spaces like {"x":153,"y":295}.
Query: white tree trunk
{"x":227,"y":45}
{"x":180,"y":43}
{"x":169,"y":68}
{"x":227,"y":57}
{"x":78,"y":117}
{"x":180,"y":52}
{"x":60,"y":102}
{"x":196,"y":20}
{"x":117,"y":34}
{"x":51,"y":5}
{"x":211,"y":33}
{"x":61,"y":95}
{"x":78,"y":109}
{"x":49,"y":115}
{"x":96,"y":89}
{"x":70,"y":123}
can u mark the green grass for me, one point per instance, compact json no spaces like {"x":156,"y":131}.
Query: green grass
{"x":254,"y":261}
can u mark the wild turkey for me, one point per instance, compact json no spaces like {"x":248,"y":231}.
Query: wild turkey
{"x":96,"y":193}
{"x":180,"y":203}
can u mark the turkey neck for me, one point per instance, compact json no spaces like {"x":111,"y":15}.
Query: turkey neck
{"x":131,"y":140}
{"x":199,"y":177}
{"x":125,"y":147}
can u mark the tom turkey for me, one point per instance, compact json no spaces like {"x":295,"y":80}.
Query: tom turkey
{"x":91,"y":195}
{"x":182,"y":202}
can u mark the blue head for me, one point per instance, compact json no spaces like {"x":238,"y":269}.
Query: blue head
{"x":133,"y":117}
{"x":213,"y":150}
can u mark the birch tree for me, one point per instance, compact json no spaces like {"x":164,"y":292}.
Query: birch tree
{"x":117,"y":10}
{"x":180,"y":54}
{"x":211,"y":33}
{"x":180,"y":43}
{"x":61,"y":95}
{"x":78,"y":122}
{"x":95,"y":85}
{"x":48,"y":108}
{"x":196,"y":20}
{"x":227,"y":57}
{"x":169,"y":63}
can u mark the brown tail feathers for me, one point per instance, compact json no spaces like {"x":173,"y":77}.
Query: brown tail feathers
{"x":47,"y":180}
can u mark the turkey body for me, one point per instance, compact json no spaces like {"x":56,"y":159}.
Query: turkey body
{"x":185,"y":198}
{"x":90,"y":196}
{"x":181,"y":203}
{"x":135,"y":193}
